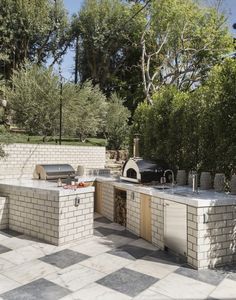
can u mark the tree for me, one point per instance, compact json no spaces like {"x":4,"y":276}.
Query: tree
{"x":181,"y":43}
{"x":85,"y":111}
{"x":34,"y":99}
{"x":33,"y":30}
{"x":117,"y":128}
{"x":109,"y":47}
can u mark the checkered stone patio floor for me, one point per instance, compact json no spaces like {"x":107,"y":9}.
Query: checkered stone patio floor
{"x":113,"y":264}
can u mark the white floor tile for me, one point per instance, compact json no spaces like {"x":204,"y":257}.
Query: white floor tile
{"x":15,"y":243}
{"x":152,"y":268}
{"x":30,"y":271}
{"x":5,"y":265}
{"x":96,"y":291}
{"x":93,"y":248}
{"x":181,"y":287}
{"x":22,"y":255}
{"x":7,"y":284}
{"x":149,"y":294}
{"x":225,"y":290}
{"x":75,"y":277}
{"x":106,"y":263}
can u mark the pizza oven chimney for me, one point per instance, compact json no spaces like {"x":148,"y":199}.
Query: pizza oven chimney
{"x":136,"y":146}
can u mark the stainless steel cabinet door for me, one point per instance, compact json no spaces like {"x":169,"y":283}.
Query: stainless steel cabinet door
{"x":175,"y":227}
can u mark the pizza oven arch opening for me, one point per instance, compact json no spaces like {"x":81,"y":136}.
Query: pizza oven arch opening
{"x":131,"y":173}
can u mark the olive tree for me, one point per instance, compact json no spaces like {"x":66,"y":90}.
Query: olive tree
{"x":117,"y":127}
{"x":84,"y":112}
{"x":35,"y":99}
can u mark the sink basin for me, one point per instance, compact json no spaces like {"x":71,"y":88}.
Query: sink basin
{"x":161,"y":187}
{"x":185,"y":193}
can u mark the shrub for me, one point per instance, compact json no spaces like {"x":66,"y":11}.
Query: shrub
{"x":117,"y":123}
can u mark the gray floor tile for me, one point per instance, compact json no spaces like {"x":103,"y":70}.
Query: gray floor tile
{"x":127,"y":233}
{"x":121,"y":253}
{"x":105,"y":231}
{"x":133,"y":252}
{"x":103,"y":220}
{"x":128,"y":282}
{"x":166,"y":257}
{"x":232,"y":276}
{"x":10,"y":232}
{"x":39,"y":289}
{"x":208,"y":276}
{"x":4,"y":249}
{"x":230,"y":270}
{"x":64,"y":258}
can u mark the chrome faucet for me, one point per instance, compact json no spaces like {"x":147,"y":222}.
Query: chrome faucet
{"x":195,"y":183}
{"x":172,"y":176}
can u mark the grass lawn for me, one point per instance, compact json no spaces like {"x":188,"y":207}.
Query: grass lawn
{"x":24,"y":138}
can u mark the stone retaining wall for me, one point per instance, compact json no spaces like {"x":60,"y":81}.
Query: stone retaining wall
{"x":22,"y":158}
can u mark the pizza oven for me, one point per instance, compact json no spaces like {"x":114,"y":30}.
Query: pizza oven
{"x":139,"y":170}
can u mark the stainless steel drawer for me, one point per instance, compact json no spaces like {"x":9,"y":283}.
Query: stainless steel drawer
{"x":175,"y":227}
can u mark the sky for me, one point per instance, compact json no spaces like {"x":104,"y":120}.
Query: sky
{"x":73,"y":6}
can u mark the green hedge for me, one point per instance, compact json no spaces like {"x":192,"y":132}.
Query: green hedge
{"x":193,"y":130}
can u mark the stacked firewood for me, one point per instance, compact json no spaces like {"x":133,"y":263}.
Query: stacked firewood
{"x":120,"y":209}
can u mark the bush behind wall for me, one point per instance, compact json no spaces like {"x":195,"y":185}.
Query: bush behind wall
{"x":193,"y":130}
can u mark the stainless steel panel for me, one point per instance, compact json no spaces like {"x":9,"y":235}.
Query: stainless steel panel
{"x":53,"y":171}
{"x":175,"y":227}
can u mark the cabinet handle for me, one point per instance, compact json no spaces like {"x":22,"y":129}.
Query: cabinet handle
{"x":166,"y":204}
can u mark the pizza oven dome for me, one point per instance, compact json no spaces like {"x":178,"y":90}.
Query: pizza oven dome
{"x":141,"y":170}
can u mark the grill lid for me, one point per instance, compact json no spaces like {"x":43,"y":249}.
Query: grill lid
{"x":53,"y":171}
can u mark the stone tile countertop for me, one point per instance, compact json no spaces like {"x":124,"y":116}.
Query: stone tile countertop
{"x":42,"y":185}
{"x":181,"y":194}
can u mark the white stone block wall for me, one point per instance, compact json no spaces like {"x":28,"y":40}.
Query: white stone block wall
{"x":22,"y":158}
{"x":157,"y":209}
{"x":108,"y":200}
{"x":192,"y":236}
{"x":75,"y":222}
{"x":34,"y":213}
{"x":4,"y":209}
{"x":43,"y":215}
{"x":212,"y":242}
{"x":133,"y":212}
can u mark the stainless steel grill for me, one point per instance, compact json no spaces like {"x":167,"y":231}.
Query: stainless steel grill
{"x":53,"y":171}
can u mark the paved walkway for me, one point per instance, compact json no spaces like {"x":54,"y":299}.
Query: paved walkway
{"x":113,"y":264}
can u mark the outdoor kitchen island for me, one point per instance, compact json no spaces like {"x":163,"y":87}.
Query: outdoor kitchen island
{"x":200,"y":227}
{"x":42,"y":210}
